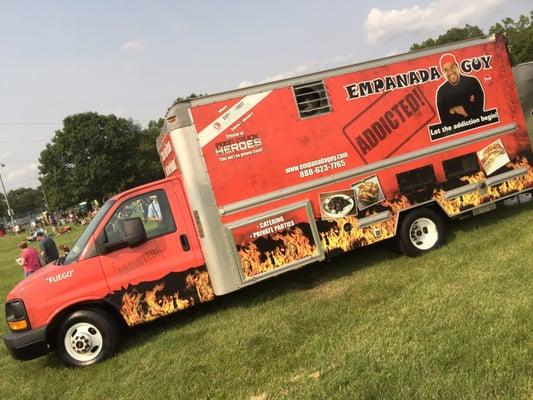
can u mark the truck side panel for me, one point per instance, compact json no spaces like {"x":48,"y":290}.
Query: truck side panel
{"x":259,"y":144}
{"x":327,"y":162}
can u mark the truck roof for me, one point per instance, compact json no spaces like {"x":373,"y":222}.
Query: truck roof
{"x":142,"y":187}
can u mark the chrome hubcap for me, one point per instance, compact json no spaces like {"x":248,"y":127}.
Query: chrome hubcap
{"x":83,"y":341}
{"x":423,"y":233}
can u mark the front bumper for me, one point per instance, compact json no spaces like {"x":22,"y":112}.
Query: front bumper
{"x":27,"y":345}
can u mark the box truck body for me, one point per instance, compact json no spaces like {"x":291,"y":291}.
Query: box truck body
{"x":267,"y":179}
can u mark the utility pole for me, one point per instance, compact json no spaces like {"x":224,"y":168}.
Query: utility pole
{"x":9,"y":210}
{"x":45,"y":199}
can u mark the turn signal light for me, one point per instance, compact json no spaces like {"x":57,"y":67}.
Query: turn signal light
{"x":17,"y":325}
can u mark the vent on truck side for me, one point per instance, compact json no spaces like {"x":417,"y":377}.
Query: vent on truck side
{"x":416,"y":180}
{"x":461,"y":166}
{"x":311,"y":99}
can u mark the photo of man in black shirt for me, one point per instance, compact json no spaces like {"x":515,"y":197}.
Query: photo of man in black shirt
{"x":461,"y":97}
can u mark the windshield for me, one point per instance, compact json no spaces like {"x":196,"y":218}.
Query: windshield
{"x":75,"y":252}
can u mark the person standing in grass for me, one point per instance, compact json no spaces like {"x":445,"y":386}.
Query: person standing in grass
{"x":29,"y":259}
{"x":48,"y":247}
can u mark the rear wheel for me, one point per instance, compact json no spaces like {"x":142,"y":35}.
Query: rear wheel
{"x":87,"y":337}
{"x":421,"y":230}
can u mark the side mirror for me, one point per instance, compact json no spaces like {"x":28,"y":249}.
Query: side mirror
{"x":133,"y":235}
{"x":104,"y":248}
{"x":134,"y":231}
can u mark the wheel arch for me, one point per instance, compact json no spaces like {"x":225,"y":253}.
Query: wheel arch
{"x":100,"y":305}
{"x":432,"y":205}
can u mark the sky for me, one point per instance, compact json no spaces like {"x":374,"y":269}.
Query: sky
{"x":133,"y":58}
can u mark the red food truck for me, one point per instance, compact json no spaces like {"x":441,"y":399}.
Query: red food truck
{"x":266,"y":179}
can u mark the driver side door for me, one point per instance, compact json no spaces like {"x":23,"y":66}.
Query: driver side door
{"x":158,"y":276}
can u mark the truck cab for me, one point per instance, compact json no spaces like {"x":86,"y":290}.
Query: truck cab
{"x":139,"y":258}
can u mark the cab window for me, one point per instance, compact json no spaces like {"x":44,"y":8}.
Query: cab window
{"x":152,"y":208}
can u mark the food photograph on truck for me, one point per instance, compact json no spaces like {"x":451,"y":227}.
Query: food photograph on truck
{"x":357,"y":227}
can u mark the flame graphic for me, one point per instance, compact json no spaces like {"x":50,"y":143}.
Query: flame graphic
{"x":338,"y":238}
{"x":295,"y":246}
{"x":138,"y":307}
{"x":200,"y":281}
{"x":398,"y":204}
{"x":142,"y":307}
{"x":476,"y":199}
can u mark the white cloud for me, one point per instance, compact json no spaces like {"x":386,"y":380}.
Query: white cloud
{"x":342,"y":59}
{"x":244,"y":84}
{"x":440,"y":15}
{"x":120,"y":112}
{"x":299,"y":70}
{"x":127,"y":67}
{"x":394,"y":52}
{"x":22,"y":174}
{"x":134,"y":45}
{"x":5,"y":156}
{"x":305,"y":68}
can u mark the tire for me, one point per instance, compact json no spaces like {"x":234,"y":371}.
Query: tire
{"x":87,"y":337}
{"x":421,"y":230}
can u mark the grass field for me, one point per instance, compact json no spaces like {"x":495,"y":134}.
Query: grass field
{"x":454,"y":324}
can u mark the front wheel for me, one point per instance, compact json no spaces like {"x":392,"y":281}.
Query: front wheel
{"x":421,"y":230}
{"x":87,"y":337}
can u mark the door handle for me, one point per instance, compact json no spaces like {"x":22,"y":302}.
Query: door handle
{"x":185,"y":243}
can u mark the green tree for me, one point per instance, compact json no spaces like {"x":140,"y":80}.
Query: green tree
{"x":3,"y":207}
{"x":92,"y":157}
{"x":450,"y":36}
{"x":24,"y":201}
{"x":191,"y":96}
{"x":519,"y":35}
{"x":149,"y":162}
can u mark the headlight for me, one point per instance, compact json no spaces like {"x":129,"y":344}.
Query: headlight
{"x":17,"y":320}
